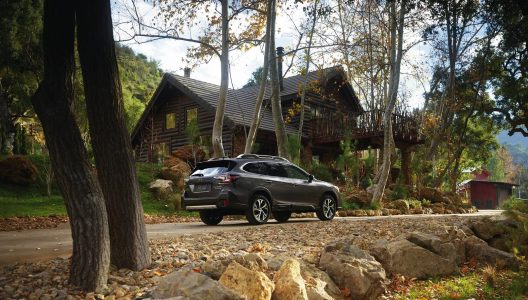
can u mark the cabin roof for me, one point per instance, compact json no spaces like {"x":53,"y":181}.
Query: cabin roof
{"x":241,"y":102}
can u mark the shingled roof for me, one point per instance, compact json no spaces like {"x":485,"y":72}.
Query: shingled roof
{"x":241,"y":102}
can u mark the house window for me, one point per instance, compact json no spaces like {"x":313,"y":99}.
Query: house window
{"x":192,"y":114}
{"x":170,"y":120}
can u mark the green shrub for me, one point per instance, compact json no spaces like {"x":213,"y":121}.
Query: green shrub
{"x":374,"y":206}
{"x":350,"y":205}
{"x":414,"y":203}
{"x":399,"y":192}
{"x":321,"y":172}
{"x":293,"y":146}
{"x":426,"y":202}
{"x":517,"y":212}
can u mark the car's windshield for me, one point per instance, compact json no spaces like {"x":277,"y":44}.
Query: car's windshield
{"x":212,"y":168}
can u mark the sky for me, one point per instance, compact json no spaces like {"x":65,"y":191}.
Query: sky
{"x":171,"y":53}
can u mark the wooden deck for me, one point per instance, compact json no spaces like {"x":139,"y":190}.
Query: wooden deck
{"x":367,"y":128}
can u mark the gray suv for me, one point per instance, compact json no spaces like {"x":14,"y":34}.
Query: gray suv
{"x":257,"y":186}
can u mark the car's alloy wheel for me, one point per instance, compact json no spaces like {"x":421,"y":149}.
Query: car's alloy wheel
{"x":259,"y":210}
{"x":282,"y":216}
{"x":211,"y":217}
{"x":328,"y":208}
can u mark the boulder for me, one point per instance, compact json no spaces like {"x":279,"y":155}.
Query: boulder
{"x":253,"y":285}
{"x":252,"y":261}
{"x":18,"y":170}
{"x":411,"y":260}
{"x":161,"y":188}
{"x":399,"y":204}
{"x":430,"y":194}
{"x":353,"y":269}
{"x":434,"y":244}
{"x":319,"y":285}
{"x":486,"y":228}
{"x":478,"y":249}
{"x":289,"y":284}
{"x":191,"y":285}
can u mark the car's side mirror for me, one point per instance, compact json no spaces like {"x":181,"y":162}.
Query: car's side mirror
{"x":310,"y":178}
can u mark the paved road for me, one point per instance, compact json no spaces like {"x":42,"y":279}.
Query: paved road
{"x":41,"y":244}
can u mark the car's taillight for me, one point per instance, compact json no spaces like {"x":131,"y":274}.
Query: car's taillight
{"x":226,"y":178}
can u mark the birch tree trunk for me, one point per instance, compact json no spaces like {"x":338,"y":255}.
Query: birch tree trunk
{"x":307,"y":69}
{"x":81,"y":192}
{"x":110,"y":139}
{"x":396,"y":31}
{"x":218,"y":146}
{"x":257,"y":114}
{"x":276,"y":109}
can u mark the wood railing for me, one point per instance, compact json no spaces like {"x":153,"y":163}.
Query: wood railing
{"x":336,"y":126}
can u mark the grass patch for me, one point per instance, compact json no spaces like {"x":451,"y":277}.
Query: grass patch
{"x":507,"y":285}
{"x":16,"y":201}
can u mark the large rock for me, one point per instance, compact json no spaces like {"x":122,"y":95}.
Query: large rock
{"x":434,"y":244}
{"x":411,"y":260}
{"x":252,"y":261}
{"x":399,"y":204}
{"x":17,"y":170}
{"x":188,"y":284}
{"x":161,"y":188}
{"x":353,"y":269}
{"x":486,"y":228}
{"x":289,"y":284}
{"x":253,"y":285}
{"x":485,"y":254}
{"x":319,"y":285}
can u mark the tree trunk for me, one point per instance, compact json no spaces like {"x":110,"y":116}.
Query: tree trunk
{"x":7,"y":128}
{"x":276,"y":109}
{"x":218,"y":147}
{"x":307,"y":68}
{"x":395,"y":59}
{"x":110,"y":138}
{"x":257,"y":114}
{"x":81,"y":192}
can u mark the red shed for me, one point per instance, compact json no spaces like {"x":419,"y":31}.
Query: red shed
{"x":487,"y":194}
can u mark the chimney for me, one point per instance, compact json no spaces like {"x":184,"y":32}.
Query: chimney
{"x":280,"y":53}
{"x":187,"y":72}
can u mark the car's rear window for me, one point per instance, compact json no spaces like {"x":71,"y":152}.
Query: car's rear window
{"x":212,"y":168}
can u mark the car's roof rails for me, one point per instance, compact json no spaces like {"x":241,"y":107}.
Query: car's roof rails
{"x":249,"y":156}
{"x":219,"y":158}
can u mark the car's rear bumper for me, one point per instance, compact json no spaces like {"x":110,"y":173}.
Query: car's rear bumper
{"x":225,"y":201}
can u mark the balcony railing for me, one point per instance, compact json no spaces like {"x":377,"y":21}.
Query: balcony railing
{"x":334,"y":127}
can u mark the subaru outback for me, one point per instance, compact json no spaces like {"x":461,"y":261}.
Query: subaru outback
{"x":257,"y":186}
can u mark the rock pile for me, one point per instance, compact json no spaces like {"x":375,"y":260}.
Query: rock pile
{"x":343,"y":269}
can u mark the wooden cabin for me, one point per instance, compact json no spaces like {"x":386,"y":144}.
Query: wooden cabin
{"x":484,"y":193}
{"x":332,"y":111}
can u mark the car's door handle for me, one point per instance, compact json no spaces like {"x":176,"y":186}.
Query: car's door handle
{"x":268,"y":181}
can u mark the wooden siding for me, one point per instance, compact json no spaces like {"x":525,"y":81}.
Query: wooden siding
{"x":177,"y":103}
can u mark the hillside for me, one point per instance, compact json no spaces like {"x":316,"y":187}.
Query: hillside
{"x":517,"y":145}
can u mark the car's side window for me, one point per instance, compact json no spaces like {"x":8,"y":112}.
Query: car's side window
{"x":276,"y":169}
{"x":257,"y":168}
{"x":294,"y":172}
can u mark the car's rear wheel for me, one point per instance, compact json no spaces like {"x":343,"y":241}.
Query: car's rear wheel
{"x":327,"y":209}
{"x":259,"y":210}
{"x":211,"y":217}
{"x":282,"y":216}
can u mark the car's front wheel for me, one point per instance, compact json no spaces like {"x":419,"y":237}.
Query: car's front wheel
{"x":327,"y":209}
{"x":282,"y":216}
{"x":259,"y":210}
{"x":211,"y":217}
